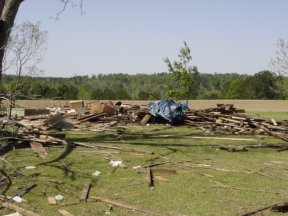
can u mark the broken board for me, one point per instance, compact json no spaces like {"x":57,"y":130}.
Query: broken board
{"x":39,"y":149}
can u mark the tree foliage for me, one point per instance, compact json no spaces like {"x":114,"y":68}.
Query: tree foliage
{"x":184,"y":74}
{"x":262,"y":85}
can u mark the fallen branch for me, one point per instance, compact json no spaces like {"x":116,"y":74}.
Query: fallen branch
{"x":263,"y":208}
{"x":127,"y":206}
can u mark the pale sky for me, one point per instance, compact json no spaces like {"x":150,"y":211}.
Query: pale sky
{"x":133,"y":36}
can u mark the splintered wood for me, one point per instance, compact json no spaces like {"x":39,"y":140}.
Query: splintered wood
{"x":39,"y":149}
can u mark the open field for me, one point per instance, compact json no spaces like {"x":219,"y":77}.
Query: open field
{"x":208,"y":181}
{"x":248,"y":105}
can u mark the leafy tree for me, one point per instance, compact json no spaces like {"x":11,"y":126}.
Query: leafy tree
{"x":186,"y":76}
{"x":108,"y":94}
{"x":265,"y":85}
{"x":97,"y":94}
{"x":143,"y":95}
{"x":122,"y":95}
{"x":84,"y":92}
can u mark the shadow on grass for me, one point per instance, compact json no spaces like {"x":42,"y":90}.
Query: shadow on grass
{"x":65,"y":168}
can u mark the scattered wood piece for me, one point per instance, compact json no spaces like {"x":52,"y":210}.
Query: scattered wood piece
{"x":64,"y":212}
{"x":145,"y":119}
{"x":150,"y":178}
{"x":274,"y":122}
{"x":160,"y":170}
{"x":52,"y":201}
{"x":160,"y":178}
{"x":264,"y":208}
{"x":39,"y":149}
{"x":92,"y":116}
{"x":96,"y":146}
{"x":58,"y":121}
{"x":274,"y":134}
{"x":233,"y":148}
{"x":19,"y":209}
{"x":153,"y":165}
{"x":282,"y":207}
{"x":128,"y":206}
{"x":85,"y":192}
{"x":23,"y":191}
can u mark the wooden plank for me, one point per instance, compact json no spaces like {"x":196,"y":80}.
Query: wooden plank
{"x":96,"y":146}
{"x":160,"y":170}
{"x":64,"y":212}
{"x":150,"y":178}
{"x":274,"y":122}
{"x":85,"y":192}
{"x":52,"y":201}
{"x":39,"y":149}
{"x":145,"y":119}
{"x":91,"y":116}
{"x":128,"y":206}
{"x":23,"y":191}
{"x":19,"y":209}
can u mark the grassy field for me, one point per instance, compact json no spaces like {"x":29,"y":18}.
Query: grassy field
{"x":208,"y":181}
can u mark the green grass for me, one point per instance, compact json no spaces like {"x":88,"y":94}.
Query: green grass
{"x":191,"y":191}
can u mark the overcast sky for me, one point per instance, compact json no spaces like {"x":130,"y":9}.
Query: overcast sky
{"x":133,"y":36}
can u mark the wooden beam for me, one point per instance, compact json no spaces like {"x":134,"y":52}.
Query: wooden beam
{"x":19,"y":209}
{"x":23,"y":191}
{"x":85,"y":192}
{"x":39,"y":149}
{"x":128,"y":206}
{"x":150,"y":178}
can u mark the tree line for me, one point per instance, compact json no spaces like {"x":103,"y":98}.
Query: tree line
{"x":262,"y":85}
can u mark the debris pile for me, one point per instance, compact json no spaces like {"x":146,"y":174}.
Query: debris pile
{"x":98,"y":116}
{"x":37,"y":130}
{"x":225,"y":117}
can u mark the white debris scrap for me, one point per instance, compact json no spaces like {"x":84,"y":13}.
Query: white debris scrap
{"x":30,"y":167}
{"x":115,"y":163}
{"x":59,"y":197}
{"x":96,"y":173}
{"x":17,"y":199}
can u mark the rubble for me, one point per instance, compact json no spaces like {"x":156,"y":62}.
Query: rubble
{"x":38,"y":131}
{"x":105,"y":116}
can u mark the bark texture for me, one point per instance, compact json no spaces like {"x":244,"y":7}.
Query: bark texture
{"x":8,"y":12}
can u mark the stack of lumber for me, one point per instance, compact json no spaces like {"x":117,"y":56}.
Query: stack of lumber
{"x":225,"y":117}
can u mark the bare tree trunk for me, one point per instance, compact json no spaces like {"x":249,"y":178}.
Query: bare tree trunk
{"x":8,"y":11}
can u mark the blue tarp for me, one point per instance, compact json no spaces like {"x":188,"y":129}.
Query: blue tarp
{"x":169,"y":110}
